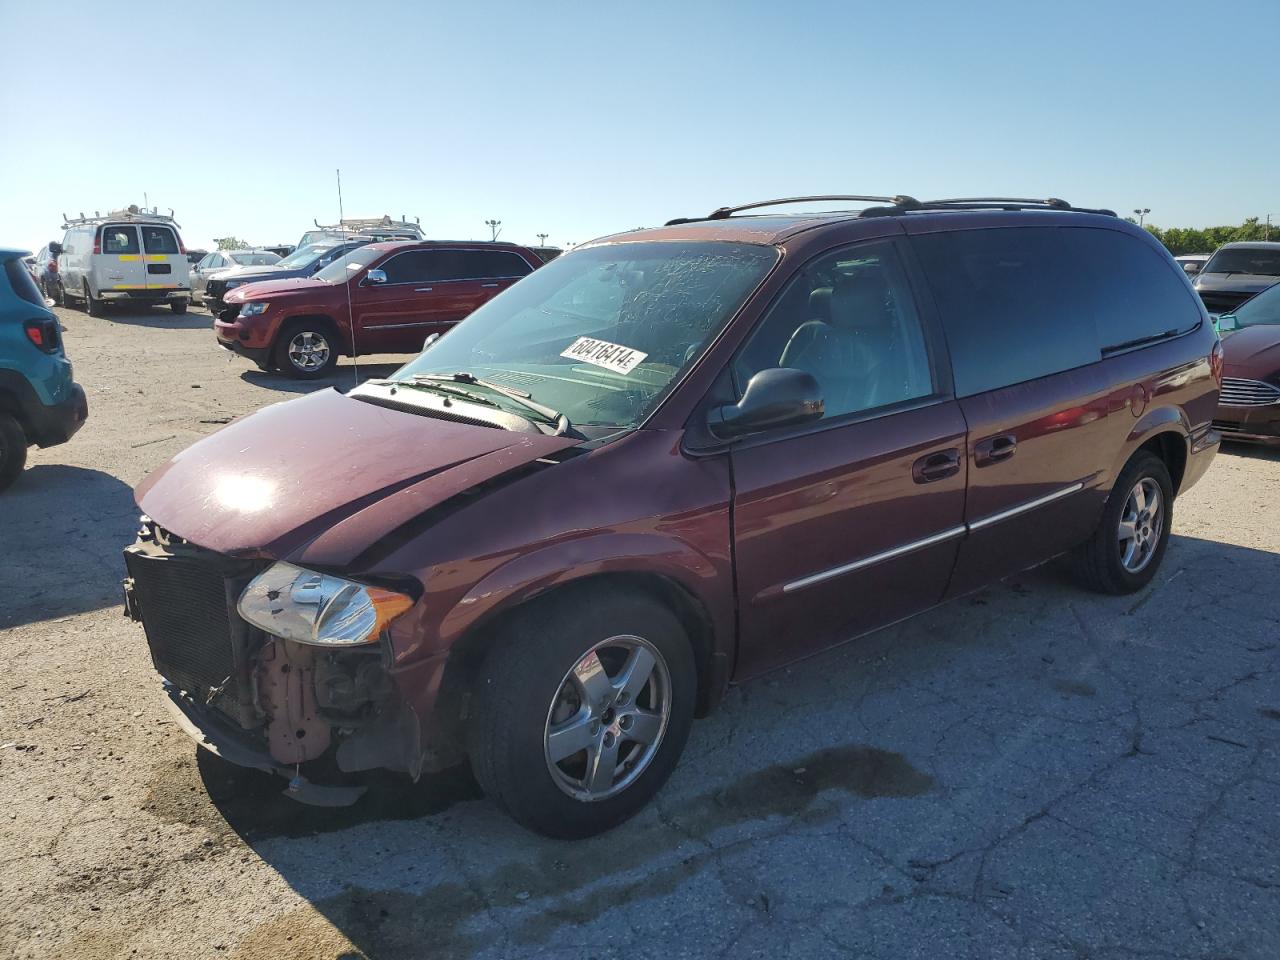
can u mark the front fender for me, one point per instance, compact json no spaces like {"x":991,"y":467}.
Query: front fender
{"x":706,"y":579}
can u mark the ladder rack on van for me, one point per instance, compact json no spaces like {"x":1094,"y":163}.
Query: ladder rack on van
{"x":373,"y":225}
{"x":132,"y":213}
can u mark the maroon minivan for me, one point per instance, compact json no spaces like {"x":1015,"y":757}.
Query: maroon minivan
{"x":670,"y":460}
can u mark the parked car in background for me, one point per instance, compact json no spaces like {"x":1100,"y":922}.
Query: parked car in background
{"x":222,"y":260}
{"x":40,"y":403}
{"x":371,"y":228}
{"x":131,"y":255}
{"x":195,"y":256}
{"x":44,"y":269}
{"x":1192,"y":263}
{"x":301,"y":263}
{"x":378,"y":298}
{"x":1236,"y":272}
{"x":281,"y":249}
{"x":1249,"y":404}
{"x":666,"y":460}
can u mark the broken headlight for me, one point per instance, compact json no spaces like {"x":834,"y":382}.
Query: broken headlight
{"x":319,"y":608}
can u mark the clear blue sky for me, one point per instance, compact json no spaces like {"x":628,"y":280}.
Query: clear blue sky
{"x":577,"y":119}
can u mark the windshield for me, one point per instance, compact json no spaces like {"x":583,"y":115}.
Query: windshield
{"x":600,"y":334}
{"x":349,"y":264}
{"x":254,"y":259}
{"x":1260,"y":310}
{"x":1244,"y":260}
{"x":302,"y":257}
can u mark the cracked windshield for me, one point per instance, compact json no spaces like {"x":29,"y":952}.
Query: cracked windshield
{"x":600,"y":334}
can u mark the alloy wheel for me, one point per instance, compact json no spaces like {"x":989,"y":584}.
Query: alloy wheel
{"x":607,"y":719}
{"x":308,"y":351}
{"x":1141,"y":523}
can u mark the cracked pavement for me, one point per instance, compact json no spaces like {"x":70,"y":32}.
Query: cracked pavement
{"x":1031,"y":772}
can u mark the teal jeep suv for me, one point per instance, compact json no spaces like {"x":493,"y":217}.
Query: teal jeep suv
{"x":39,"y":402}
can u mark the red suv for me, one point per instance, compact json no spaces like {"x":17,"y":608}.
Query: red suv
{"x":380,"y":298}
{"x":667,"y":461}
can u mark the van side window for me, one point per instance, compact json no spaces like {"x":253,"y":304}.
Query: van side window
{"x":850,"y":320}
{"x":1138,"y":294}
{"x":1014,"y":304}
{"x":118,"y":239}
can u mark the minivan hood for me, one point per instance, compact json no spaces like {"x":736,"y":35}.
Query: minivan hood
{"x":1252,"y":352}
{"x":272,"y":483}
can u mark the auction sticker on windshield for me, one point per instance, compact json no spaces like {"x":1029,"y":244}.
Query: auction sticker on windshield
{"x":602,"y":353}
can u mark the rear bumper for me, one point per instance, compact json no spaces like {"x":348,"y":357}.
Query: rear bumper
{"x":159,"y":295}
{"x":49,"y":425}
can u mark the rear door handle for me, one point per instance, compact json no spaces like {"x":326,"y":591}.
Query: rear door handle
{"x":421,"y":289}
{"x":488,"y":284}
{"x":994,"y":449}
{"x":936,"y":466}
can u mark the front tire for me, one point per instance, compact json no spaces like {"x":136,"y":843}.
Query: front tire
{"x":306,"y":349}
{"x":582,"y":709}
{"x":1125,"y":551}
{"x":13,"y":450}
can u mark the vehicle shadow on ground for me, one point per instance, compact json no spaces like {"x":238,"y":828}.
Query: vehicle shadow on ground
{"x":345,"y":376}
{"x":69,"y":562}
{"x":161,"y":318}
{"x":1253,"y":451}
{"x":409,"y":865}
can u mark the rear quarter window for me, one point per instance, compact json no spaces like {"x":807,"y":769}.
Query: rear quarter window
{"x":21,"y":282}
{"x":1019,"y":303}
{"x":491,"y":265}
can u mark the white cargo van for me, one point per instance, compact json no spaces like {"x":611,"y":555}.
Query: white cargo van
{"x":130,"y":255}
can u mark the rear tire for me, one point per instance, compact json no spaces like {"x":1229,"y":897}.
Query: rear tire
{"x":539,"y":686}
{"x":94,"y":308}
{"x":13,"y":450}
{"x":306,"y":349}
{"x":1126,"y":549}
{"x":178,"y":306}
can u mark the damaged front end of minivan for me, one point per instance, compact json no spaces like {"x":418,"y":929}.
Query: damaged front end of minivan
{"x":275,"y":666}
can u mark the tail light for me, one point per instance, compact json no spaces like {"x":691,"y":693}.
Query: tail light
{"x":53,"y":266}
{"x":181,"y":247}
{"x":97,"y":241}
{"x":43,"y":334}
{"x":1215,"y":362}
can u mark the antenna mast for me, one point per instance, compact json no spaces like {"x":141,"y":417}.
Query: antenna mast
{"x":351,"y":317}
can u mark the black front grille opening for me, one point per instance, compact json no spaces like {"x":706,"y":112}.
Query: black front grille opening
{"x":197,"y":641}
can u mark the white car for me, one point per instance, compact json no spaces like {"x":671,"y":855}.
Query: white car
{"x":222,"y":261}
{"x":129,"y":255}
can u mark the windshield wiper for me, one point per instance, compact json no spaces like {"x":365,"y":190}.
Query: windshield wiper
{"x":1141,"y":341}
{"x":520,"y":397}
{"x":441,"y":388}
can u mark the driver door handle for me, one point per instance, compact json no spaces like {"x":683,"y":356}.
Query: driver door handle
{"x":994,"y":449}
{"x":936,"y":466}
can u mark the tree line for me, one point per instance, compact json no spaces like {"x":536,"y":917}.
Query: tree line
{"x":1180,"y":240}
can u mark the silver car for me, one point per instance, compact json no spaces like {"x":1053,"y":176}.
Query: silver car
{"x":221,"y":260}
{"x":1236,"y":272}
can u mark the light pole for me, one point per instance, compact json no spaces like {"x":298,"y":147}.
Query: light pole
{"x":1141,"y":214}
{"x":493,"y":226}
{"x":542,"y":238}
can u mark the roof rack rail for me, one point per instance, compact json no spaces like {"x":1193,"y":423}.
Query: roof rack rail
{"x":724,"y":213}
{"x":983,"y":203}
{"x":131,"y":212}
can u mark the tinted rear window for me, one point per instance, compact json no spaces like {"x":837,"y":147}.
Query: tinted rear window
{"x":491,"y":264}
{"x":22,"y":283}
{"x":1026,"y":302}
{"x":159,"y":240}
{"x":119,"y":239}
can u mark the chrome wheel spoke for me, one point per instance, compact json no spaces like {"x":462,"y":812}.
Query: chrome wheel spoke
{"x":1128,"y":530}
{"x":602,"y":762}
{"x":594,"y":681}
{"x":634,"y":674}
{"x":645,"y":726}
{"x":571,"y":737}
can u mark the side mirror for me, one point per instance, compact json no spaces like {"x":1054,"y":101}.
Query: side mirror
{"x":778,"y":397}
{"x":1191,"y":269}
{"x":55,"y":248}
{"x":374,"y":277}
{"x":1225,"y":321}
{"x":431,"y":338}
